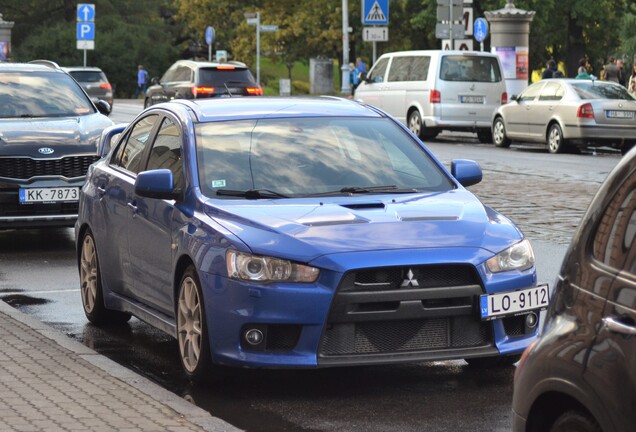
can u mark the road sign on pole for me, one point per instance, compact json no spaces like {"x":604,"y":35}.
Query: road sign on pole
{"x":209,"y":38}
{"x":375,"y":12}
{"x":375,"y":34}
{"x":85,"y":27}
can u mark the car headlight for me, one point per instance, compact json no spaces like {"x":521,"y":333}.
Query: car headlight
{"x":517,"y":257}
{"x":267,"y":269}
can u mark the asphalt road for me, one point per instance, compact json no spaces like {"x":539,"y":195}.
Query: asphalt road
{"x":544,"y":194}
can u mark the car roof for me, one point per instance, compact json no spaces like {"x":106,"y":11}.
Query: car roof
{"x":81,"y":68}
{"x":439,"y":52}
{"x":29,"y":67}
{"x":200,"y":64}
{"x":243,"y":108}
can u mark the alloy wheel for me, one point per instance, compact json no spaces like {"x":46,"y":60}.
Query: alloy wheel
{"x":88,"y":274}
{"x":189,"y":324}
{"x":555,"y":139}
{"x":415,"y":123}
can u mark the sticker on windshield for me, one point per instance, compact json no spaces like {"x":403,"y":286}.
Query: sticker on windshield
{"x":218,"y":183}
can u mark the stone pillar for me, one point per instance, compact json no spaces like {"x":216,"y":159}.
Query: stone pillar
{"x":510,"y":31}
{"x":5,"y":39}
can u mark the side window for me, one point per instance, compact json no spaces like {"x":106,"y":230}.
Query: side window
{"x":183,"y":73}
{"x":419,"y":68}
{"x":530,"y":93}
{"x":400,"y":69}
{"x":376,"y":74}
{"x":552,"y":91}
{"x":128,"y":155}
{"x":614,"y":239}
{"x":166,"y":151}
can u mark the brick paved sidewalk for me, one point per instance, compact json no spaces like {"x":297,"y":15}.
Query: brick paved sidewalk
{"x":49,"y":382}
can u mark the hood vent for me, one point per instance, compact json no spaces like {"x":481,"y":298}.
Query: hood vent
{"x":365,"y":206}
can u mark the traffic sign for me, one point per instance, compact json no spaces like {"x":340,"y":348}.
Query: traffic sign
{"x":375,"y":12}
{"x":269,"y":28}
{"x":450,"y":13}
{"x":85,"y":31}
{"x":443,"y":31}
{"x":480,"y":29}
{"x":85,"y":12}
{"x":375,"y":34}
{"x":209,"y":35}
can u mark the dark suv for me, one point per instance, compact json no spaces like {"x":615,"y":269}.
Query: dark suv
{"x":581,"y":374}
{"x":94,"y":82}
{"x":188,"y":79}
{"x":49,"y":135}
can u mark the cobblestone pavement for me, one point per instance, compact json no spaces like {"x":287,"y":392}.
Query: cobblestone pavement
{"x":49,"y":383}
{"x":544,"y":208}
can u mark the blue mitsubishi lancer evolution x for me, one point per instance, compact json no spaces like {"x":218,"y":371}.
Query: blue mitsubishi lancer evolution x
{"x":299,"y":233}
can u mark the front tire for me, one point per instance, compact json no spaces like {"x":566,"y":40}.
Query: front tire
{"x":556,"y":142}
{"x":91,"y":287}
{"x":499,"y":133}
{"x":192,"y":334}
{"x":575,"y":421}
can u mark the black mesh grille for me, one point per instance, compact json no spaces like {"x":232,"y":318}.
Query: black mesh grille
{"x":405,"y":336}
{"x":406,"y":310}
{"x":282,"y":337}
{"x":25,"y":168}
{"x":515,"y":326}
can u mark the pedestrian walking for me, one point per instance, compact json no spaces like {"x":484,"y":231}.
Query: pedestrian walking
{"x":354,"y":77}
{"x":361,"y":65}
{"x":631,"y":87}
{"x":611,"y":71}
{"x":550,"y":69}
{"x":622,"y":76}
{"x":142,"y":81}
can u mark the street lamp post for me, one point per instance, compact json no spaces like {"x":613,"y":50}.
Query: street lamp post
{"x":344,"y":88}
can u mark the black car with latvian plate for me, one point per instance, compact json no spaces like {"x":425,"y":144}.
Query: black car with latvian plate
{"x":49,"y":136}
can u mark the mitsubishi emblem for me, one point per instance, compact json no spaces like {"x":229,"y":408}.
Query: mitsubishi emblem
{"x":410,"y":281}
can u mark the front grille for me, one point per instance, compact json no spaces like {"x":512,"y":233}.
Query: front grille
{"x":405,"y":336}
{"x":24,"y":168}
{"x":515,"y":325}
{"x":406,"y":310}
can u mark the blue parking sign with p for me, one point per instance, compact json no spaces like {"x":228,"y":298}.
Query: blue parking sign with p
{"x":85,"y":31}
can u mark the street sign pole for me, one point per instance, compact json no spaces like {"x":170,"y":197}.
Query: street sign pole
{"x":345,"y":89}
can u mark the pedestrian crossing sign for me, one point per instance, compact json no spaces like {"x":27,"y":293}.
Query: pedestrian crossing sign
{"x":375,"y":12}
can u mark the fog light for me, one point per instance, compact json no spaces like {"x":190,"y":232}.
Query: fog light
{"x":531,"y":320}
{"x":254,"y":336}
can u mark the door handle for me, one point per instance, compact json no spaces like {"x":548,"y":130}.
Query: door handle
{"x":101,"y":190}
{"x":615,"y":326}
{"x":132,"y":206}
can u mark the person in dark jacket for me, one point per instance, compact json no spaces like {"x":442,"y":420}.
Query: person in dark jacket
{"x":550,"y":69}
{"x":612,"y":72}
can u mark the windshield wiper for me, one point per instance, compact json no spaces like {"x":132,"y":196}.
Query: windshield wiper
{"x":391,"y":189}
{"x":251,"y":193}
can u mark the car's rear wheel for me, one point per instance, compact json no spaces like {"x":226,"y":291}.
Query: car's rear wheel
{"x":91,"y":287}
{"x":416,"y":125}
{"x":556,"y":142}
{"x":192,"y":334}
{"x":499,"y":361}
{"x":575,"y":421}
{"x":499,"y":133}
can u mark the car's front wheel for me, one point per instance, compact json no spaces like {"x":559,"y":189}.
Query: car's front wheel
{"x":192,"y":334}
{"x":499,"y":133}
{"x":575,"y":421}
{"x":556,"y":142}
{"x":91,"y":287}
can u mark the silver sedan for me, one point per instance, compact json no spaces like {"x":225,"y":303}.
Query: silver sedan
{"x":568,"y":113}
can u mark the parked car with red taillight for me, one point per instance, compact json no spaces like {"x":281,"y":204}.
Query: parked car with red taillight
{"x":566,"y":113}
{"x":94,"y":82}
{"x":187,"y":79}
{"x":435,"y":90}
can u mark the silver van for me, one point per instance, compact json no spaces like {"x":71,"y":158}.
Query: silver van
{"x":437,"y":90}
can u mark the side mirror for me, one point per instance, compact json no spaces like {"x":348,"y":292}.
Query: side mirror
{"x":109,"y":136}
{"x":154,"y":81}
{"x":103,"y":107}
{"x":467,"y":172}
{"x":363,"y":76}
{"x":158,"y":183}
{"x":514,"y":98}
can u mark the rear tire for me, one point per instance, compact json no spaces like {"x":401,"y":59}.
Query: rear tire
{"x":556,"y":142}
{"x":91,"y":287}
{"x":575,"y":421}
{"x":499,"y":133}
{"x":146,"y":103}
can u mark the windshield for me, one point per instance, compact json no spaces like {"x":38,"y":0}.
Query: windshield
{"x":278,"y":158}
{"x":593,"y":90}
{"x":41,"y":94}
